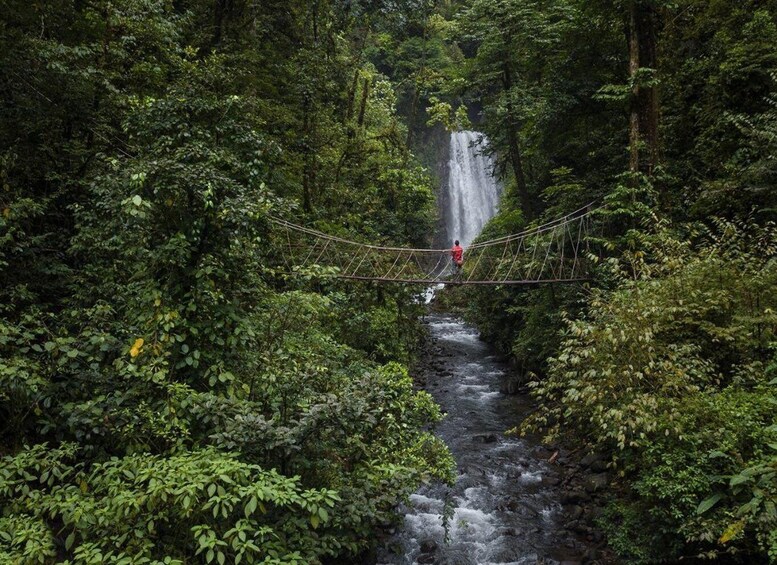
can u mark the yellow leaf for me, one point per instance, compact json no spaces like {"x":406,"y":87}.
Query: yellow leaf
{"x":6,"y":212}
{"x":84,"y":487}
{"x":135,"y":351}
{"x":732,"y":531}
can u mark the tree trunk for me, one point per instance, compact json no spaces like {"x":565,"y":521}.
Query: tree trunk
{"x":365,"y":96}
{"x":412,"y":114}
{"x":514,"y":146}
{"x":650,"y":108}
{"x":351,"y":96}
{"x":644,"y":112}
{"x":634,"y":137}
{"x":222,"y":9}
{"x":308,"y":173}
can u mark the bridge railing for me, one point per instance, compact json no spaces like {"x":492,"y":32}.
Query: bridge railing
{"x":553,"y":252}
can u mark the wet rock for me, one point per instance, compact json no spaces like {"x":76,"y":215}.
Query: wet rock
{"x":596,"y":462}
{"x":511,"y":385}
{"x":591,"y":459}
{"x":574,"y":512}
{"x":564,"y":461}
{"x":510,"y":504}
{"x":396,"y":548}
{"x":428,"y":546}
{"x":506,"y":555}
{"x":582,"y":529}
{"x":571,"y":544}
{"x":594,"y":513}
{"x":549,"y":481}
{"x":454,"y":556}
{"x":574,"y":497}
{"x":486,"y":438}
{"x":543,"y":452}
{"x":599,"y":466}
{"x":596,"y":483}
{"x":425,"y":558}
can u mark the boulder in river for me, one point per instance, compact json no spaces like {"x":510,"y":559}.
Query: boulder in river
{"x":594,"y":461}
{"x":575,"y":512}
{"x":574,"y":497}
{"x":511,"y":385}
{"x":428,"y":546}
{"x":597,"y":482}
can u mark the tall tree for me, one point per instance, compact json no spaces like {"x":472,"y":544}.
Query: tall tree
{"x":642,"y":24}
{"x":516,"y":44}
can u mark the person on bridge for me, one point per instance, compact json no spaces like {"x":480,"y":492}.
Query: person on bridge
{"x":457,"y":257}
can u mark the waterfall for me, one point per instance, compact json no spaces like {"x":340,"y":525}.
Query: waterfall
{"x":473,"y":192}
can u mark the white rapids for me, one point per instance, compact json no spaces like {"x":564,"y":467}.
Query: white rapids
{"x":504,"y":507}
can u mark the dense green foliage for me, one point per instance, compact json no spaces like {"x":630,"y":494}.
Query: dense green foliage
{"x":166,"y":394}
{"x":169,"y":394}
{"x":665,"y":113}
{"x":673,"y":373}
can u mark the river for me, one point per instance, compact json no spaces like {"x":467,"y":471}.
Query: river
{"x":504,"y":507}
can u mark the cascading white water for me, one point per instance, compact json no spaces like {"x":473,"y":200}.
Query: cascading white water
{"x":473,"y":192}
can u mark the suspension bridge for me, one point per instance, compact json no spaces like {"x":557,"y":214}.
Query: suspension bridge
{"x":554,"y":252}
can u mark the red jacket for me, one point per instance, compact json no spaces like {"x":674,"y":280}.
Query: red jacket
{"x":457,"y":253}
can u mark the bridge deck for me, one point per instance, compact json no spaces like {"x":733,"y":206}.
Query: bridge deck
{"x":453,"y":282}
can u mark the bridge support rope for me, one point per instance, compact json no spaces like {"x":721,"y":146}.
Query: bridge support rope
{"x":551,"y":253}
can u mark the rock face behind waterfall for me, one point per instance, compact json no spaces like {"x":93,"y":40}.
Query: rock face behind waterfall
{"x":472,"y":194}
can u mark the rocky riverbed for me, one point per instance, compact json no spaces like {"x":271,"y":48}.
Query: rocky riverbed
{"x":515,"y":500}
